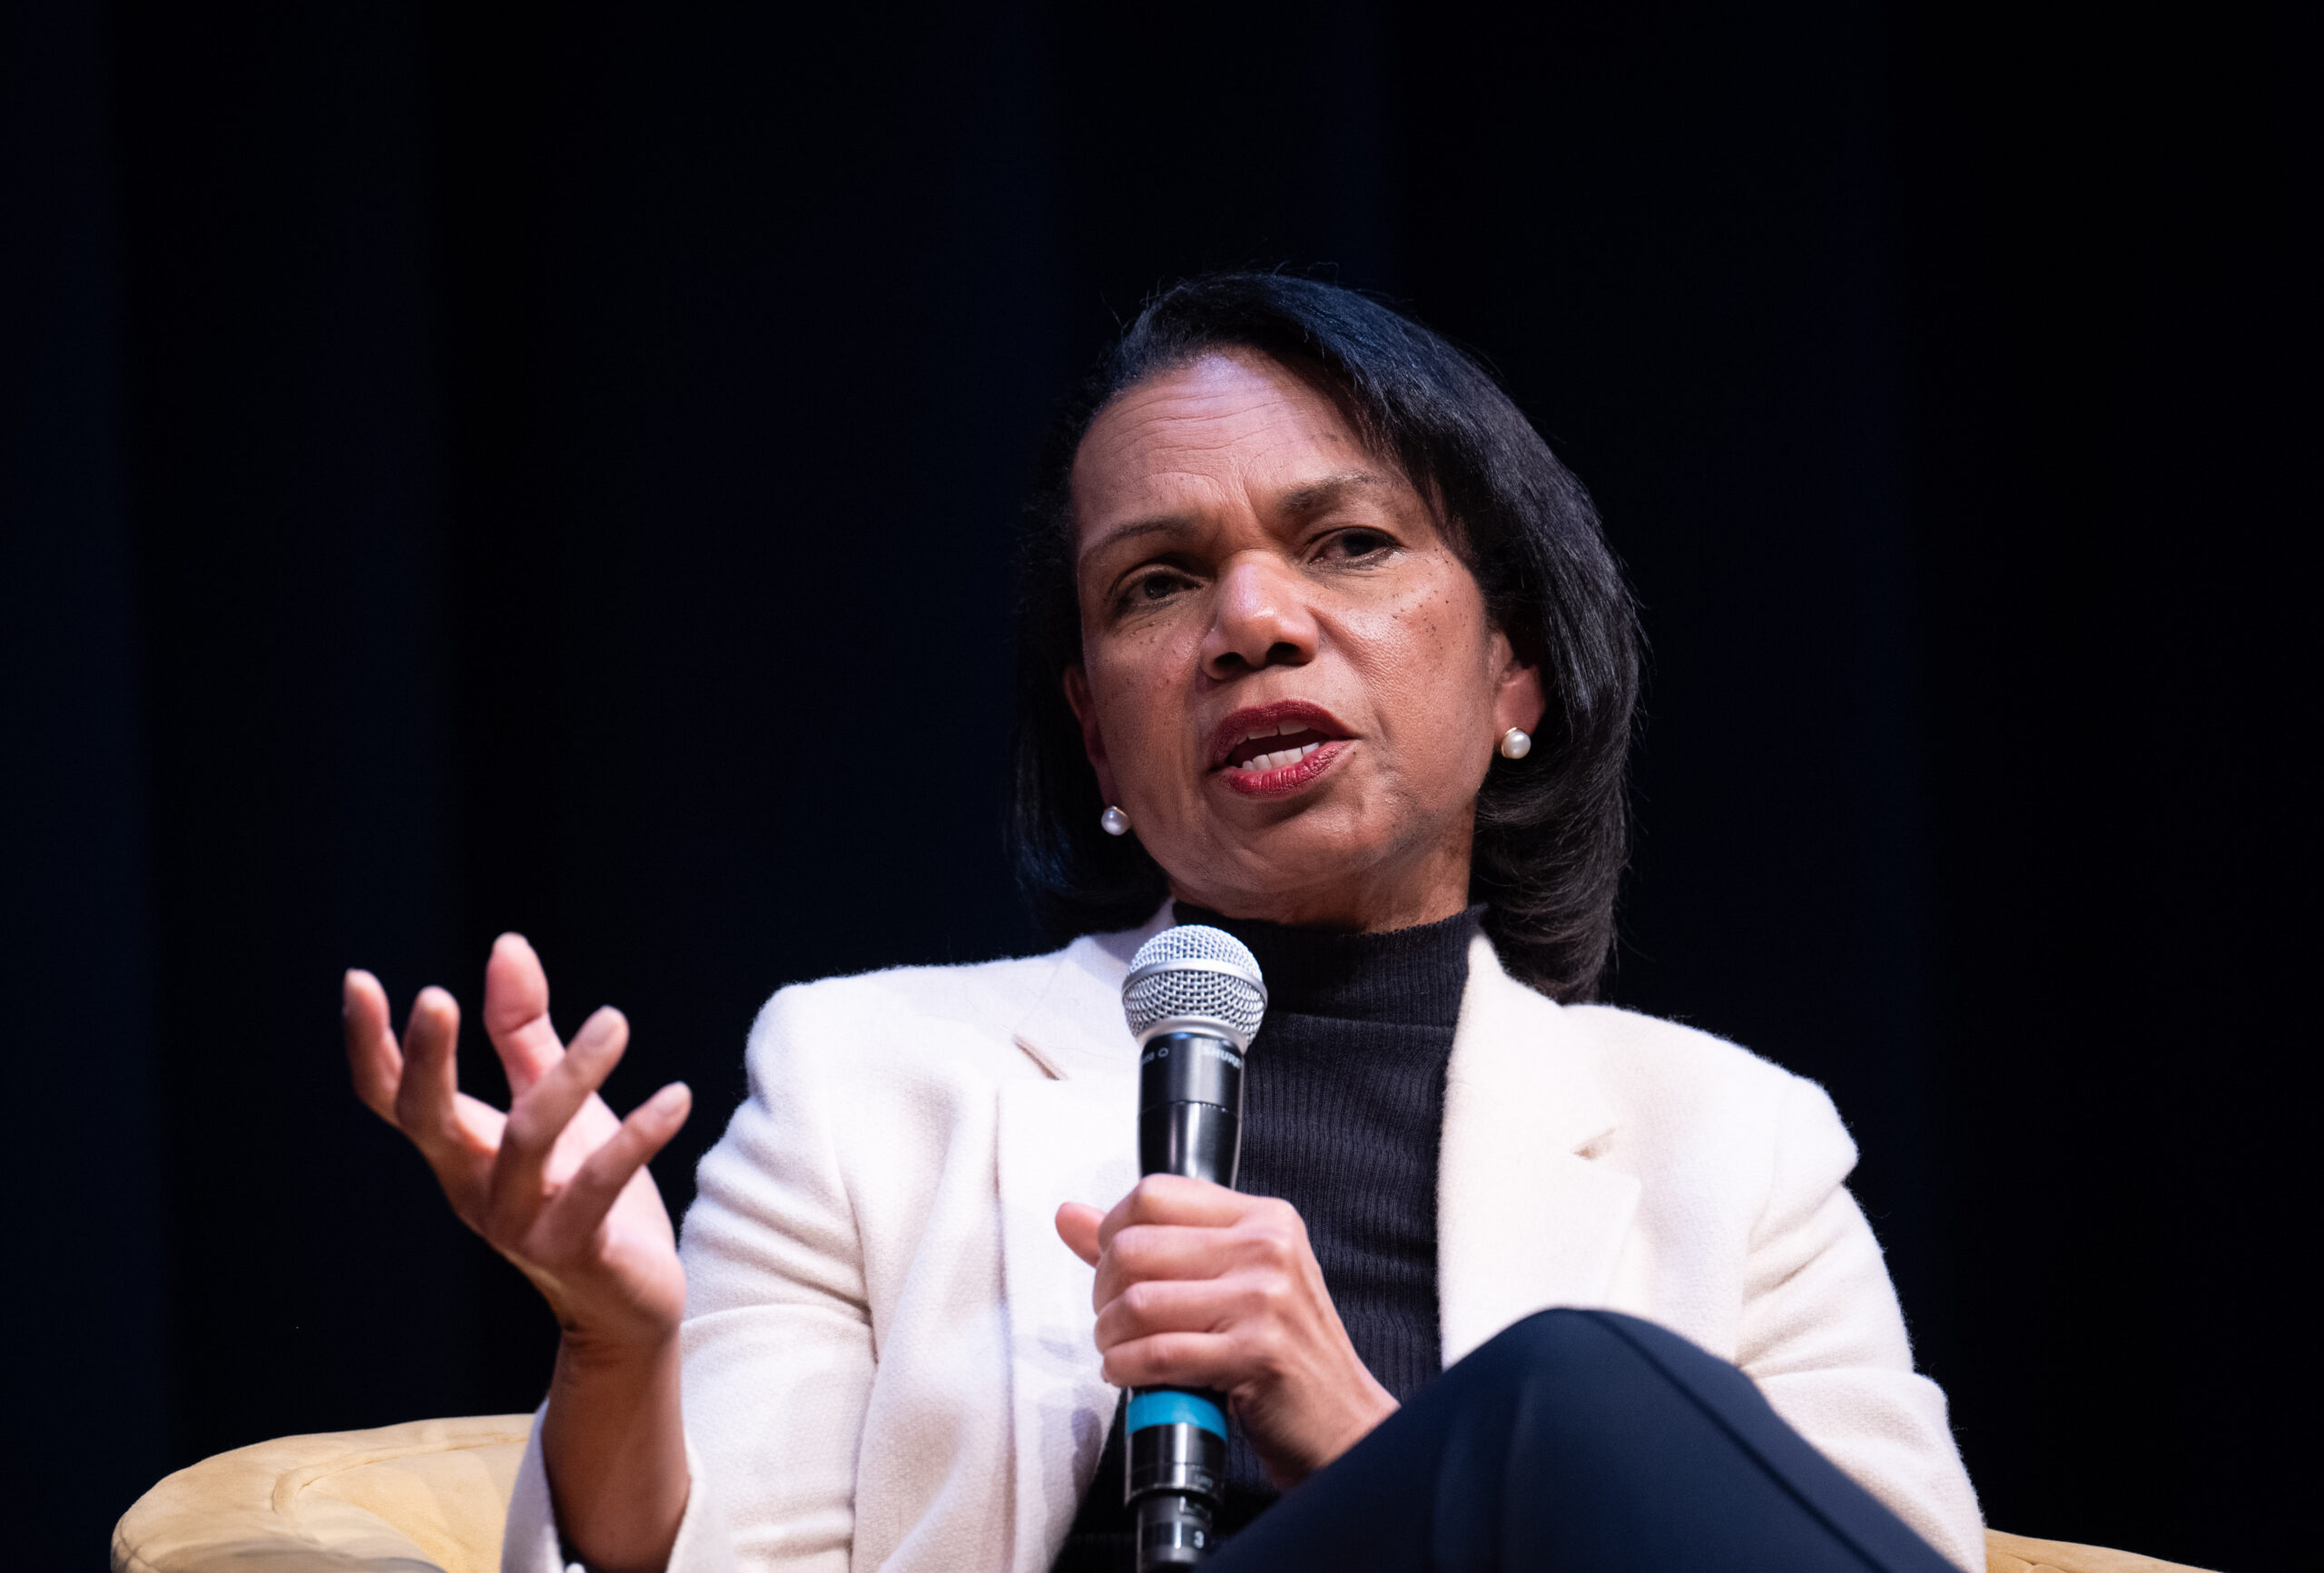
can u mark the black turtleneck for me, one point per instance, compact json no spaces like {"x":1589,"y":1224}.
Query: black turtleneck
{"x":1342,"y":1107}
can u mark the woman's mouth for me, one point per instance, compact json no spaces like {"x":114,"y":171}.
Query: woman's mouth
{"x":1270,"y":750}
{"x":1264,"y":752}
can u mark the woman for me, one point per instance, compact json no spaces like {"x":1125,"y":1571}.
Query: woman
{"x":1321,"y":644}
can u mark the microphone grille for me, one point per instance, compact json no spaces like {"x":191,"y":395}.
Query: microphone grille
{"x":1195,"y":975}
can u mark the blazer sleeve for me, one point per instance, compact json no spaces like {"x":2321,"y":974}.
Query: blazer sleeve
{"x":1823,"y":1336}
{"x":777,"y":1338}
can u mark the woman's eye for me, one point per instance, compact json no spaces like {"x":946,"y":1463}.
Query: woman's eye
{"x":1152,"y":588}
{"x":1358,"y":544}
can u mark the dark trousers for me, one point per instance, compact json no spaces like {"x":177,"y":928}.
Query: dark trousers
{"x":1587,"y":1443}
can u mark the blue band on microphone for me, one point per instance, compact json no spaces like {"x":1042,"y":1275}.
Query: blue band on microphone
{"x":1164,"y":1406}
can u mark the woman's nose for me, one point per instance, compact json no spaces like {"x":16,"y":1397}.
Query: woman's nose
{"x":1261,"y":618}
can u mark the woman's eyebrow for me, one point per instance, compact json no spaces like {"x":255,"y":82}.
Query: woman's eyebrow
{"x":1320,"y":496}
{"x":1159,"y":523}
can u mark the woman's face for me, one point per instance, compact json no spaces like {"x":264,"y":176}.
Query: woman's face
{"x":1290,"y":683}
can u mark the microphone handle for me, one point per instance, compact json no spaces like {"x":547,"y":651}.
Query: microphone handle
{"x":1190,"y":1122}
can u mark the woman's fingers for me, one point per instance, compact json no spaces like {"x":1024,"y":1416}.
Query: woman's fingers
{"x":1183,"y":1359}
{"x":516,"y":1013}
{"x":540,"y":1181}
{"x":1200,"y":1286}
{"x":1169,"y":1227}
{"x":584,"y":1200}
{"x":372,"y":1057}
{"x":1185,"y":1306}
{"x":427,"y":1091}
{"x":417,"y":1089}
{"x":1148,"y":1252}
{"x":1175,"y":1199}
{"x":540,"y":1116}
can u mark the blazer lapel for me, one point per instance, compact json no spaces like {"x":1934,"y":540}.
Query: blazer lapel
{"x":1525,"y":1221}
{"x":1069,"y":1137}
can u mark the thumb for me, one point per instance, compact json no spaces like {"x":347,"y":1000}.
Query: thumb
{"x":1076,"y":1225}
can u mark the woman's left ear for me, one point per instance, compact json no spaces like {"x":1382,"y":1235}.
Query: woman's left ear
{"x":1093,"y":742}
{"x":1520,"y":700}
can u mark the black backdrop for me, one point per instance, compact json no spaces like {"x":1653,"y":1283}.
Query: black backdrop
{"x":554,"y":470}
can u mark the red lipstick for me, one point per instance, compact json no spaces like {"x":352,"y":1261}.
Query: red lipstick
{"x":1276,"y":750}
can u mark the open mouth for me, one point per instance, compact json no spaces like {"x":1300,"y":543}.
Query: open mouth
{"x":1277,"y":750}
{"x":1263,"y":739}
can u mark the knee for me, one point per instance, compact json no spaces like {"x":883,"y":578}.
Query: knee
{"x":1589,"y":1350}
{"x":1550,"y":1339}
{"x":1547,"y":1338}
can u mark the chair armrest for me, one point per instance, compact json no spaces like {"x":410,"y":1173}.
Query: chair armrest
{"x":424,"y":1496}
{"x":2017,"y":1554}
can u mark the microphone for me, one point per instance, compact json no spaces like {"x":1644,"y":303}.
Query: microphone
{"x":1195,"y":999}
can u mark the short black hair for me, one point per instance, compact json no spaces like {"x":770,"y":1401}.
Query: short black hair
{"x":1552,"y":829}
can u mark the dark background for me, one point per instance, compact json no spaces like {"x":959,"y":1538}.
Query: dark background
{"x":555,"y":469}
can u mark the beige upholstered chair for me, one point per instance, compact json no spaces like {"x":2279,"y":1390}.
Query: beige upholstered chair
{"x":423,"y":1497}
{"x":428,"y":1498}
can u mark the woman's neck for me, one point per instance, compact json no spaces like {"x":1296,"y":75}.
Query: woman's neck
{"x":1346,"y":907}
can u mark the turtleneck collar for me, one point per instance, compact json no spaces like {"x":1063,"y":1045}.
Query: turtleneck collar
{"x":1409,"y":977}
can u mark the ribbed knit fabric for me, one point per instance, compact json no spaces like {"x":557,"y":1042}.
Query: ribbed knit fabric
{"x":1343,"y":1108}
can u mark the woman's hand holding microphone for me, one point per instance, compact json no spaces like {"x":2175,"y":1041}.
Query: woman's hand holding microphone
{"x":1201,"y":1286}
{"x":560,"y":1186}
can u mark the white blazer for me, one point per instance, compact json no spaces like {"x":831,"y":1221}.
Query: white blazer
{"x":889,"y":1352}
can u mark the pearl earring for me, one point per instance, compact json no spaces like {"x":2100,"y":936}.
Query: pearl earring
{"x":1115,"y":823}
{"x":1516,"y":744}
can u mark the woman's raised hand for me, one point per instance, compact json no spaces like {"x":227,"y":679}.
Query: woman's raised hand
{"x":557,"y":1185}
{"x":1201,"y":1286}
{"x":560,"y":1186}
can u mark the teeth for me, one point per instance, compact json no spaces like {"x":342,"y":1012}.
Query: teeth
{"x":1280,"y":758}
